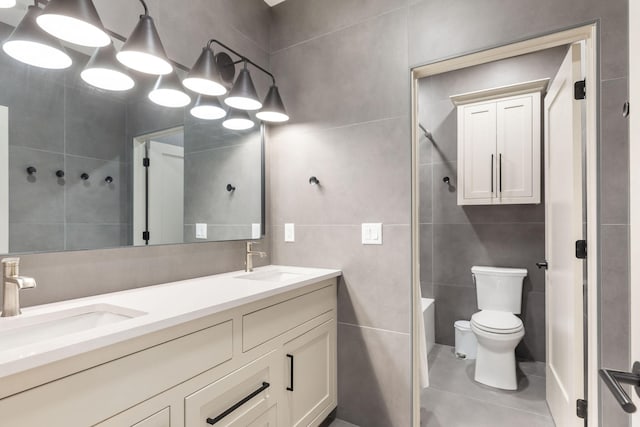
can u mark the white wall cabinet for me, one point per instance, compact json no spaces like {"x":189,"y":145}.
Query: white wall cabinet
{"x":499,"y":145}
{"x":232,"y":367}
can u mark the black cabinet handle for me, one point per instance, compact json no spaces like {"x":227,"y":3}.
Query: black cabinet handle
{"x":614,"y":379}
{"x":290,"y":388}
{"x":212,"y":421}
{"x":492,"y":174}
{"x":500,"y":188}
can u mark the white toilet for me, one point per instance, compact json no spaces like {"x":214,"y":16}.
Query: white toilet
{"x":496,"y":326}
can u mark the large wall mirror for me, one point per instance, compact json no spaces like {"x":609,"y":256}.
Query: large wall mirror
{"x":72,"y":172}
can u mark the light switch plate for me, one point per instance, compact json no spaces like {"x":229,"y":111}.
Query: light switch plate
{"x":256,"y":231}
{"x":201,"y":231}
{"x":372,"y":233}
{"x":289,"y":232}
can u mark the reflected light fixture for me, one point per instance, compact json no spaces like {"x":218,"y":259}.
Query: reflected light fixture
{"x":29,"y":44}
{"x":6,"y":4}
{"x":104,"y":72}
{"x":143,"y":50}
{"x":168,"y":92}
{"x":74,"y":21}
{"x":208,"y":108}
{"x":238,"y":120}
{"x":204,"y":77}
{"x":243,"y":95}
{"x":273,"y":108}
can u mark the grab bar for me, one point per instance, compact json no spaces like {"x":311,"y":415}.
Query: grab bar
{"x":212,"y":421}
{"x":615,"y":379}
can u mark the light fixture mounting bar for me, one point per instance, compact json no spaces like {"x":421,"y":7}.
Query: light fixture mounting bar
{"x":242,"y":58}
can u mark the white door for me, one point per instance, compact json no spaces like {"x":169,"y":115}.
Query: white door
{"x":4,"y":180}
{"x":515,"y":148}
{"x":477,"y":127}
{"x":564,"y":219}
{"x":166,"y":193}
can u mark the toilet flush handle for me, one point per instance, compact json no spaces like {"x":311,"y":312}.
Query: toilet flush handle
{"x":542,"y":264}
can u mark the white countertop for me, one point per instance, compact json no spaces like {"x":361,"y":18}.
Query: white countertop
{"x":157,"y":307}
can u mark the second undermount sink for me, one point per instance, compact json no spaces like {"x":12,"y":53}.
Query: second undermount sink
{"x":20,"y":331}
{"x":279,"y":275}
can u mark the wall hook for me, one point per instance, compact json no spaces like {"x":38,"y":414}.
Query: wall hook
{"x":230,"y":188}
{"x":446,"y":180}
{"x":314,"y":181}
{"x":60,"y":173}
{"x":626,"y":109}
{"x":108,"y":180}
{"x":31,"y":170}
{"x":84,"y":176}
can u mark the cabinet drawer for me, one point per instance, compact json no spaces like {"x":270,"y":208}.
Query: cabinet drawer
{"x":237,"y":399}
{"x":159,"y":419}
{"x":265,"y":324}
{"x":98,"y":393}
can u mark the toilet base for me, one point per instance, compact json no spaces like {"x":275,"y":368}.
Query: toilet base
{"x":496,"y":369}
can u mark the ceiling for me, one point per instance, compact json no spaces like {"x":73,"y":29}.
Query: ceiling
{"x":273,"y":2}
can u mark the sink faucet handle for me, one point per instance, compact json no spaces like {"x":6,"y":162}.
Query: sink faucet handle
{"x":10,"y":266}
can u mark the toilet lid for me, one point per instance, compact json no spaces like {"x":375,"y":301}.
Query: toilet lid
{"x":497,"y":322}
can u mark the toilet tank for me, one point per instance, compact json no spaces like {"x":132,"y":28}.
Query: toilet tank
{"x":499,"y":289}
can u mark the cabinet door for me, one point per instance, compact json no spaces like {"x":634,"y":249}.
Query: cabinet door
{"x":518,"y":153}
{"x":159,"y":419}
{"x":310,"y":376}
{"x":477,"y":153}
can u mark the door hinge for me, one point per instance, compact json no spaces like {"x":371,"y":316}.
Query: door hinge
{"x":581,"y":249}
{"x":146,"y":162}
{"x":146,"y":235}
{"x":580,"y":89}
{"x":581,"y":408}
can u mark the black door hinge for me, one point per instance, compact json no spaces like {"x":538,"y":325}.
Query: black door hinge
{"x":581,"y":249}
{"x":146,"y":162}
{"x":581,"y":408}
{"x":580,"y":89}
{"x":146,"y":235}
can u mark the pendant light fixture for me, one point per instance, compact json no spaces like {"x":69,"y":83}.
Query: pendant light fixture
{"x":238,"y":120}
{"x":6,"y":4}
{"x":74,"y":21}
{"x":208,"y":108}
{"x":168,"y":92}
{"x":204,"y":77}
{"x":29,"y":44}
{"x":243,"y":95}
{"x":143,"y":51}
{"x":273,"y":108}
{"x":104,"y":72}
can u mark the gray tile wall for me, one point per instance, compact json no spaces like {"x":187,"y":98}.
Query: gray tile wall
{"x":244,"y":25}
{"x":454,"y":238}
{"x":343,"y":69}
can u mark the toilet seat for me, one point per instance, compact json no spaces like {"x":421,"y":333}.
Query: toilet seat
{"x":497,"y":322}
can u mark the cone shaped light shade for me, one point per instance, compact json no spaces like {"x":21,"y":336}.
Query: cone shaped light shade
{"x":208,"y":108}
{"x":105,"y":72}
{"x":74,"y":21}
{"x":168,"y":92}
{"x":143,"y":51}
{"x":243,"y":95}
{"x":238,"y":120}
{"x":273,"y":108}
{"x":6,"y":4}
{"x":204,"y":77}
{"x":29,"y":44}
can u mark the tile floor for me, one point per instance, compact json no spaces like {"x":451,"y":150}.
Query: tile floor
{"x":340,"y":423}
{"x":454,"y":399}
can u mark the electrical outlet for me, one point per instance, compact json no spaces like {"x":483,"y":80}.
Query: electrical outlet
{"x":289,"y":232}
{"x":372,"y":233}
{"x":201,"y":231}
{"x":256,"y":231}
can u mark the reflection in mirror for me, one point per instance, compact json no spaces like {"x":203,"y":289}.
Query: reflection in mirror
{"x":86,"y":146}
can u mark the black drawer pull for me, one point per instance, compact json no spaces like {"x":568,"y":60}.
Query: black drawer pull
{"x":290,"y":388}
{"x":213,"y":421}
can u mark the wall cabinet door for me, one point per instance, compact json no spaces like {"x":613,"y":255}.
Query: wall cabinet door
{"x":310,"y":376}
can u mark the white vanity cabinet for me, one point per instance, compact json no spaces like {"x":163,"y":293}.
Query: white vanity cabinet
{"x":499,"y":145}
{"x":230,"y":369}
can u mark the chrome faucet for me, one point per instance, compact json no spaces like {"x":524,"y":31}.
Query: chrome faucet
{"x":249,"y":256}
{"x":11,"y":285}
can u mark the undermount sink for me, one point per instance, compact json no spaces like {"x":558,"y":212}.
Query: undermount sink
{"x":271,"y":276}
{"x":25,"y":330}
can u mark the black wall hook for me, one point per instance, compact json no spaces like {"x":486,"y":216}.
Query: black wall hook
{"x":60,"y":173}
{"x":230,"y":188}
{"x":108,"y":180}
{"x":314,"y":181}
{"x":446,"y":180}
{"x":84,"y":176}
{"x":31,"y":170}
